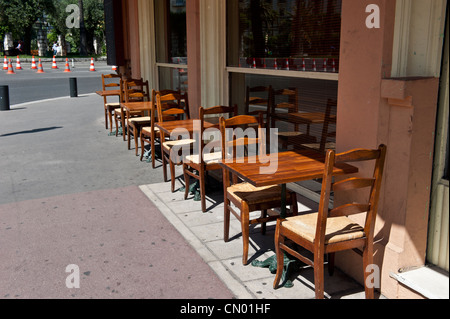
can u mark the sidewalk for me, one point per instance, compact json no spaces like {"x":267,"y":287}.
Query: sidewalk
{"x":71,"y":194}
{"x":204,"y":232}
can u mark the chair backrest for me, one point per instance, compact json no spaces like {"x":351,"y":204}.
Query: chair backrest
{"x":289,"y":100}
{"x":261,"y":100}
{"x":349,"y":183}
{"x":111,"y":81}
{"x":169,"y":106}
{"x":213,"y":115}
{"x":246,"y":131}
{"x":136,"y":90}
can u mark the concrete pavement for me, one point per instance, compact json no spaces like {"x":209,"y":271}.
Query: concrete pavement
{"x":71,"y":194}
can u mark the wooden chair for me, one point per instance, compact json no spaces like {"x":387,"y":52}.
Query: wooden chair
{"x":110,"y":82}
{"x":119,"y":113}
{"x":150,"y":134}
{"x":328,"y":119}
{"x":172,"y":113}
{"x":136,"y":91}
{"x":244,"y":196}
{"x":262,"y":101}
{"x":329,"y":231}
{"x":202,"y":163}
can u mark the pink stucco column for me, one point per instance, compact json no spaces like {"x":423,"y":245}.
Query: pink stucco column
{"x":374,"y":109}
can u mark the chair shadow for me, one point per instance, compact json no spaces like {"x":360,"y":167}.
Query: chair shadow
{"x":33,"y":131}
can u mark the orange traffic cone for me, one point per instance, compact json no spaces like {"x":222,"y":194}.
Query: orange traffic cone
{"x":18,"y":66}
{"x":5,"y":63}
{"x":40,"y":68}
{"x":33,"y":63}
{"x":10,"y":68}
{"x":314,"y":65}
{"x":67,"y":69}
{"x":54,"y":66}
{"x":114,"y":68}
{"x":325,"y":63}
{"x":92,"y":68}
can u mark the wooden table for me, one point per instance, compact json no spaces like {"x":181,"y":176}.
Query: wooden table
{"x":108,"y":93}
{"x":292,"y":166}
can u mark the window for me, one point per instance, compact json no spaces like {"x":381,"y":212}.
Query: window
{"x":171,"y":47}
{"x":283,"y":61}
{"x":298,"y":35}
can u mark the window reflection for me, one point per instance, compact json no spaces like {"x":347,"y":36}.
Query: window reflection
{"x":301,"y":35}
{"x":170,"y":25}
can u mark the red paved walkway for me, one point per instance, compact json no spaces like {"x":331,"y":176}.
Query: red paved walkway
{"x":121,"y":243}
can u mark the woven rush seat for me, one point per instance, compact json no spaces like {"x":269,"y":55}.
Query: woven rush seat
{"x":209,"y":158}
{"x":139,"y":120}
{"x":169,"y":144}
{"x":112,"y":105}
{"x":254,"y":195}
{"x":338,"y":229}
{"x":148,"y":130}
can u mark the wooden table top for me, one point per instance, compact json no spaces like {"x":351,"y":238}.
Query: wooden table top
{"x":291,"y":166}
{"x":108,"y":93}
{"x":169,"y":126}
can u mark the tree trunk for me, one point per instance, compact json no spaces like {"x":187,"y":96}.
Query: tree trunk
{"x":27,"y":41}
{"x":83,"y":41}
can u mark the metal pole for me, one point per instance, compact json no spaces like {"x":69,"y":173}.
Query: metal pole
{"x":73,"y":87}
{"x":4,"y":98}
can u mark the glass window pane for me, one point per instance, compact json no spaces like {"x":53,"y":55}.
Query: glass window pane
{"x":284,"y":34}
{"x":302,"y":110}
{"x":170,"y":25}
{"x":173,"y":79}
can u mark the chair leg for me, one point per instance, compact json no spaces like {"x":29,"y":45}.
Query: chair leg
{"x":245,"y":226}
{"x":367,"y":261}
{"x":142,"y":146}
{"x":201,"y":174}
{"x":128,"y":137}
{"x":116,"y":121}
{"x":226,"y":219}
{"x":152,"y":149}
{"x":186,"y":181}
{"x":106,"y":118}
{"x":110,"y":120}
{"x":280,"y":255}
{"x":136,"y":140}
{"x":164,"y":165}
{"x":172,"y":175}
{"x":318,"y":275}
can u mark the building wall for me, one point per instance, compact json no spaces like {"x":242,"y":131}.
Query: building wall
{"x":375,"y":108}
{"x":381,"y":99}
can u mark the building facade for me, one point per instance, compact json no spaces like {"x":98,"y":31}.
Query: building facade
{"x":379,"y":67}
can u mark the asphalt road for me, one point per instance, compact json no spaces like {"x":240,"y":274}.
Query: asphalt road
{"x":26,"y":85}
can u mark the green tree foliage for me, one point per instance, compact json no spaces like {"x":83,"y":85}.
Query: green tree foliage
{"x":18,"y":17}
